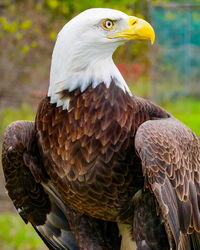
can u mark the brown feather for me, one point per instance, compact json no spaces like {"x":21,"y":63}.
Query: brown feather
{"x":95,"y":139}
{"x":170,"y":163}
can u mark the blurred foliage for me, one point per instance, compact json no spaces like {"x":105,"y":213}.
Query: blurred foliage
{"x":28,"y":29}
{"x":8,"y":115}
{"x":19,"y":27}
{"x":16,"y":235}
{"x":11,"y":22}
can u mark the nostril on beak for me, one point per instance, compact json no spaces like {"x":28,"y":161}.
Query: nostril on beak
{"x":133,"y":20}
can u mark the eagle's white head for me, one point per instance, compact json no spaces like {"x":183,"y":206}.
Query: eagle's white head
{"x":83,"y":51}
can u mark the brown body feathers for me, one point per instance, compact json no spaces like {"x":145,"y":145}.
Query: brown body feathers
{"x":109,"y":157}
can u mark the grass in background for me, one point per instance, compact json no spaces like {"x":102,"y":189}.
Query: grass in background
{"x":8,"y":115}
{"x":16,"y":235}
{"x":186,"y":110}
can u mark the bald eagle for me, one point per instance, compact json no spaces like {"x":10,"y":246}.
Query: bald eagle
{"x":101,"y":168}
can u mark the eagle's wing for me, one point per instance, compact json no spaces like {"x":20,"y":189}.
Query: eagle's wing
{"x":170,"y":156}
{"x":36,"y":203}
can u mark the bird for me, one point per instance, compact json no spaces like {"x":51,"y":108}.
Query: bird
{"x":100,"y":167}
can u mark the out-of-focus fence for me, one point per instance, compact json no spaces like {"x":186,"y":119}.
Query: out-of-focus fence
{"x":176,"y":56}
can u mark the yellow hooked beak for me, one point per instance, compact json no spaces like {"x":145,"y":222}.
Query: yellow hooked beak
{"x":139,"y":29}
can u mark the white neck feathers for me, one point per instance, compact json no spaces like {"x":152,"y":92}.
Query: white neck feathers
{"x":78,"y":62}
{"x":102,"y":71}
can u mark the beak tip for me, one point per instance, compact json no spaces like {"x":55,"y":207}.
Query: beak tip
{"x":152,"y":40}
{"x":152,"y":37}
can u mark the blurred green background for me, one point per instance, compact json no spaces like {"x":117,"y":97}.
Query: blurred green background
{"x":168,"y":72}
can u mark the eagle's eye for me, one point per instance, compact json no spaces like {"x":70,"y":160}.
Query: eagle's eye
{"x":107,"y":24}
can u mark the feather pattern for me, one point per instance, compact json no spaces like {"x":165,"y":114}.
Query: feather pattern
{"x":170,"y":155}
{"x":23,"y":174}
{"x":109,"y":157}
{"x":38,"y":202}
{"x":91,"y":146}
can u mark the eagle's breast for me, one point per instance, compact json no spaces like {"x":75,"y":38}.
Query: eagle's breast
{"x":90,"y":148}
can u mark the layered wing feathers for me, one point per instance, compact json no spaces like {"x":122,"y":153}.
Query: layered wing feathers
{"x":170,"y":155}
{"x":36,"y":203}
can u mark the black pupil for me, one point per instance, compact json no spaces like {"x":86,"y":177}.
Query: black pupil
{"x":109,"y":23}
